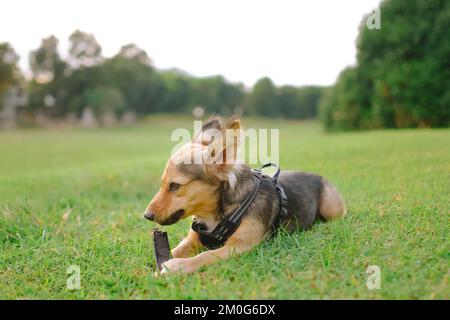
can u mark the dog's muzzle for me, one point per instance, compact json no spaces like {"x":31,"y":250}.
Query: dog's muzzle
{"x":173,"y":218}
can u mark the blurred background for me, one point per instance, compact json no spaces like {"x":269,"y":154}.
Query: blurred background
{"x":356,"y":64}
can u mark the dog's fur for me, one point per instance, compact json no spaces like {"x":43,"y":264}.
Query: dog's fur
{"x":215,"y":189}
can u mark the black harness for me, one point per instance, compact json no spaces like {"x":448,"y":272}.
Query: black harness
{"x":228,"y":225}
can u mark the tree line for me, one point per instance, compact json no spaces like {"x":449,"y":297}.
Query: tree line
{"x":128,"y":81}
{"x":401,"y":79}
{"x":402,"y":75}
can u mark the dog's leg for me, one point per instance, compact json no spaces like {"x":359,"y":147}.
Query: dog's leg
{"x":188,"y":246}
{"x":249,"y":234}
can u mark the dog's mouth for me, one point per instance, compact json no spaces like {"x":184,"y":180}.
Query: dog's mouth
{"x":173,"y":218}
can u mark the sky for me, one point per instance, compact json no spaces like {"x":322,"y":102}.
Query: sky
{"x":293,"y":42}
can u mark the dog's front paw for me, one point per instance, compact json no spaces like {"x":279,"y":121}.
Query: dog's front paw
{"x":177,"y":266}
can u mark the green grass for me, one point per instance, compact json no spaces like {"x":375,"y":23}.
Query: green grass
{"x":88,"y":188}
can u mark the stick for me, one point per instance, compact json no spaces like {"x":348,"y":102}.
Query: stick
{"x":161,"y":246}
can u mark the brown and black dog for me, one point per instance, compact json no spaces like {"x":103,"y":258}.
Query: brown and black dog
{"x":212,"y":189}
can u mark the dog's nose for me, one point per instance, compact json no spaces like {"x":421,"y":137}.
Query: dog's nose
{"x":149,"y":215}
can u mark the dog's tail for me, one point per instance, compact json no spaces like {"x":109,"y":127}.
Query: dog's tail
{"x":332,"y":206}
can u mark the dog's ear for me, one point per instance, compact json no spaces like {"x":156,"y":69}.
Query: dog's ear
{"x":208,"y":132}
{"x":223,"y":149}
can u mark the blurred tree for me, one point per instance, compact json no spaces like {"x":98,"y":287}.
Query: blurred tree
{"x":289,"y":102}
{"x":263,"y":99}
{"x":215,"y":94}
{"x":309,"y":98}
{"x":77,"y":84}
{"x":86,"y":79}
{"x":409,"y":63}
{"x":45,"y":62}
{"x":104,"y":99}
{"x":402,"y":77}
{"x":176,"y":91}
{"x":47,"y":87}
{"x":139,"y":83}
{"x":132,"y":52}
{"x":344,"y":106}
{"x":300,"y":103}
{"x":84,"y":50}
{"x":9,"y":72}
{"x":232,"y":96}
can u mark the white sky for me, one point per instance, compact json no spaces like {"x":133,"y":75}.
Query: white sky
{"x":293,"y":42}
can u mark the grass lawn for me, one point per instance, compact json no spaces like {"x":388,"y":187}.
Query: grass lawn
{"x":76,"y":197}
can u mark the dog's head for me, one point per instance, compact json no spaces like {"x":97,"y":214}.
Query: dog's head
{"x":195,"y":173}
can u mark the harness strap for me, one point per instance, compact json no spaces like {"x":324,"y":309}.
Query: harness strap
{"x":281,"y":193}
{"x":228,"y":225}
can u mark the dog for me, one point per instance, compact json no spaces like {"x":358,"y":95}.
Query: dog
{"x":211,"y":190}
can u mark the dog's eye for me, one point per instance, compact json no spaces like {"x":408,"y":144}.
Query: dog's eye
{"x":174,"y":186}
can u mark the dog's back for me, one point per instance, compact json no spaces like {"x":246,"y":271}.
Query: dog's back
{"x":310,"y":197}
